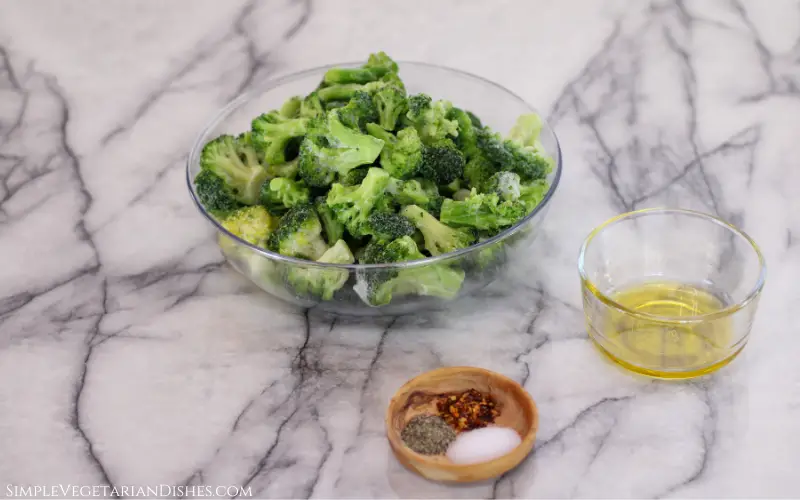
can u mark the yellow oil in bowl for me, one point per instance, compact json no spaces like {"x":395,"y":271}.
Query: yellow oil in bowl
{"x":662,"y":331}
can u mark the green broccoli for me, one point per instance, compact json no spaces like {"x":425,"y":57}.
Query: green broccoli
{"x":482,"y":211}
{"x":451,"y":188}
{"x":280,"y":194}
{"x":354,"y":177}
{"x":390,"y":103}
{"x":439,"y":237}
{"x":533,"y":193}
{"x":216,"y":196}
{"x":478,"y":170}
{"x":237,"y":166}
{"x":526,"y":130}
{"x":442,"y":162}
{"x":430,"y":118}
{"x":377,"y":66}
{"x":291,"y":108}
{"x":311,"y":107}
{"x":467,"y":139}
{"x":322,"y":282}
{"x":271,"y":134}
{"x":381,"y":286}
{"x":359,"y":111}
{"x":387,"y":226}
{"x":342,"y":92}
{"x":505,"y":184}
{"x":299,"y":234}
{"x":510,"y":156}
{"x":353,"y":204}
{"x":253,"y":224}
{"x":334,"y":230}
{"x":476,"y":122}
{"x":420,"y":192}
{"x":401,"y":155}
{"x":331,"y":148}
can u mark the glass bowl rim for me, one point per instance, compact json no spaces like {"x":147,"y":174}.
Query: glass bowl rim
{"x":273,"y":83}
{"x":754,"y":292}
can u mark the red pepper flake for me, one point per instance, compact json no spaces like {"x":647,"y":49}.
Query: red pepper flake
{"x":468,"y":410}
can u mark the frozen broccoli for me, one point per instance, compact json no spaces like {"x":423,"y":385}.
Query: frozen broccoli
{"x":439,"y":237}
{"x":334,"y":230}
{"x":358,"y":112}
{"x":237,"y":166}
{"x":299,"y":234}
{"x":442,"y":162}
{"x":510,"y":156}
{"x":478,"y":170}
{"x":533,"y":193}
{"x":402,"y":155}
{"x":420,"y":192}
{"x":377,"y":65}
{"x":505,"y":184}
{"x":482,"y":211}
{"x":252,"y":224}
{"x":430,"y":118}
{"x":322,"y":282}
{"x":280,"y":194}
{"x":354,"y":177}
{"x":467,"y":139}
{"x":353,"y":204}
{"x":271,"y":134}
{"x":387,"y":226}
{"x":331,"y":148}
{"x":311,"y":107}
{"x":437,"y":280}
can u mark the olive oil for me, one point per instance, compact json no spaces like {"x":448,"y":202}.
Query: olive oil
{"x":667,"y":335}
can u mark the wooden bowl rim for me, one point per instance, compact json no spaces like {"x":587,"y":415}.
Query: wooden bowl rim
{"x":400,"y":447}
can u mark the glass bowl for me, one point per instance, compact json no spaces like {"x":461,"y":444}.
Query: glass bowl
{"x":670,"y":293}
{"x":481,"y":263}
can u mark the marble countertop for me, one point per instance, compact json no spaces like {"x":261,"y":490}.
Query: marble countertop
{"x":130,"y":355}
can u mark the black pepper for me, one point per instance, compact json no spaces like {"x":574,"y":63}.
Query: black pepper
{"x":428,"y":435}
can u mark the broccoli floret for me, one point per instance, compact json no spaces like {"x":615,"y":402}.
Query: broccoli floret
{"x":334,"y":230}
{"x":214,"y":194}
{"x":291,"y":108}
{"x":439,"y":238}
{"x":430,"y":118}
{"x":311,"y":107}
{"x":271,"y":134}
{"x":401,"y":155}
{"x":422,"y":193}
{"x":322,"y":282}
{"x":482,"y":211}
{"x":466,"y":140}
{"x":526,"y":130}
{"x":385,"y":204}
{"x":438,"y":280}
{"x":342,"y":92}
{"x":331,"y":148}
{"x":387,"y":226}
{"x":390,"y":103}
{"x":359,"y":111}
{"x":381,"y":60}
{"x":510,"y":156}
{"x":354,"y":177}
{"x":478,"y":170}
{"x":252,"y":224}
{"x":442,"y":162}
{"x":280,"y":194}
{"x":353,"y":204}
{"x":287,"y":170}
{"x":377,"y":66}
{"x":533,"y":193}
{"x":476,"y":122}
{"x":236,"y":164}
{"x":299,"y":234}
{"x":506,"y":185}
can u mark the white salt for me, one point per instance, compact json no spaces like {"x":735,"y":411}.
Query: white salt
{"x":482,"y":445}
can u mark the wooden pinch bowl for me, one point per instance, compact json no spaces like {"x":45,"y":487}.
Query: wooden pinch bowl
{"x":417,"y":396}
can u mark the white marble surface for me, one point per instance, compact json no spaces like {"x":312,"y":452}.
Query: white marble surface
{"x":130,"y":355}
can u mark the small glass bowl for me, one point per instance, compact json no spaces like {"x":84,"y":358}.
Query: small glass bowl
{"x":670,"y":293}
{"x":481,"y":263}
